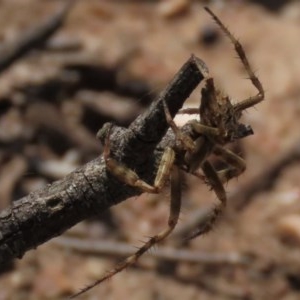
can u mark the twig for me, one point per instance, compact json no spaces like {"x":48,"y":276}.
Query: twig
{"x":33,"y":38}
{"x":167,"y":253}
{"x":90,"y":190}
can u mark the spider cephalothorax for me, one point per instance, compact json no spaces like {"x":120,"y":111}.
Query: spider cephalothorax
{"x":217,"y":111}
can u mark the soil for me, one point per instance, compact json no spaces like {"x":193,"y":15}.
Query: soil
{"x":107,"y":63}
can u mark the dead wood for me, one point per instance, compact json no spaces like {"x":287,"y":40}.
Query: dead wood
{"x":113,"y":248}
{"x":90,"y":190}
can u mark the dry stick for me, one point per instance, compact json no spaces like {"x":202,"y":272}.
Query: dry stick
{"x":167,"y":253}
{"x":90,"y":190}
{"x":33,"y":38}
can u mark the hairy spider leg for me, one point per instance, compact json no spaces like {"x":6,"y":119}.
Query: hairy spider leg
{"x":128,"y":176}
{"x":216,"y":180}
{"x":237,"y":164}
{"x":186,"y":142}
{"x":174,"y":212}
{"x":216,"y":185}
{"x":197,"y":157}
{"x":251,"y":101}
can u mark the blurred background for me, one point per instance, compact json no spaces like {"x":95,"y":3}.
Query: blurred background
{"x":108,"y":62}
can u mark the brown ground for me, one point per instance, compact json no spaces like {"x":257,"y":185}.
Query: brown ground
{"x":45,"y":133}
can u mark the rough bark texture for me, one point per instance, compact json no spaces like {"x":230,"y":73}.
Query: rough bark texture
{"x":90,"y":190}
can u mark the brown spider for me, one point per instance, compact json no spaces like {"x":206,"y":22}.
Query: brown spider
{"x":219,"y":125}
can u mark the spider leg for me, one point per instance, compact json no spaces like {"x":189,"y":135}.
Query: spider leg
{"x":216,"y":184}
{"x":128,"y":176}
{"x":205,"y":130}
{"x":236,"y":163}
{"x":189,"y":111}
{"x":216,"y":180}
{"x":195,"y":158}
{"x":175,"y":206}
{"x":186,"y":141}
{"x":251,"y":101}
{"x":164,"y":169}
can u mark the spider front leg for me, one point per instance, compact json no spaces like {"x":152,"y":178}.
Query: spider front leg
{"x":128,"y":176}
{"x":236,"y":163}
{"x":251,"y":101}
{"x":174,"y":212}
{"x":216,"y":185}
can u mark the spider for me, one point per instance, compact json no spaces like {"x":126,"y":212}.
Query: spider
{"x":219,"y":125}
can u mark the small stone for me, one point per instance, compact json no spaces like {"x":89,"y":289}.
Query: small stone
{"x":172,"y":8}
{"x":209,"y":35}
{"x":289,"y":229}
